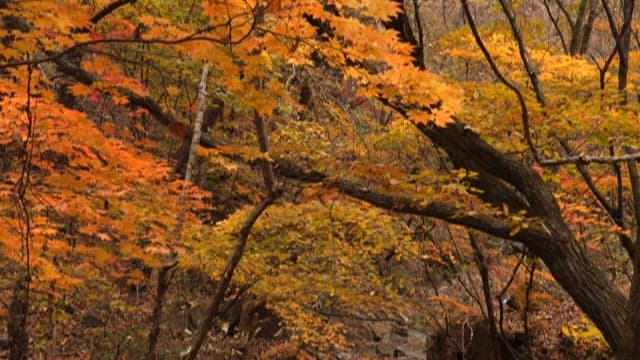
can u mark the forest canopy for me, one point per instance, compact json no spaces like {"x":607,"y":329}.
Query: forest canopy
{"x":319,"y":179}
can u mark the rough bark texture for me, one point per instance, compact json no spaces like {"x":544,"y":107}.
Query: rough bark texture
{"x":556,"y":246}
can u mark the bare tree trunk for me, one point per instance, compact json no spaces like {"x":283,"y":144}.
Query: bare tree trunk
{"x":594,"y":9}
{"x":163,"y":274}
{"x":156,"y":317}
{"x":17,"y":324}
{"x":483,"y":268}
{"x":623,"y":48}
{"x":576,"y":29}
{"x":581,"y":26}
{"x":195,"y":140}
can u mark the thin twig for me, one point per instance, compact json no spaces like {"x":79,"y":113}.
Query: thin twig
{"x":587,"y":159}
{"x":508,"y":83}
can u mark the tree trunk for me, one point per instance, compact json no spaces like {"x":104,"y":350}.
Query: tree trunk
{"x":623,"y":49}
{"x":502,"y":178}
{"x":576,"y":29}
{"x":163,"y":275}
{"x":483,"y":269}
{"x":630,"y":347}
{"x":561,"y":253}
{"x":17,"y":324}
{"x":213,"y":309}
{"x":594,"y":9}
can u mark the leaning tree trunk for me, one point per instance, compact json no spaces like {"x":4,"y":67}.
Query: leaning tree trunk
{"x":213,"y":309}
{"x":555,"y":245}
{"x":504,"y":180}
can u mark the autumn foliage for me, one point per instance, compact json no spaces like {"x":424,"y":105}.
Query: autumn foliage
{"x":371,"y":178}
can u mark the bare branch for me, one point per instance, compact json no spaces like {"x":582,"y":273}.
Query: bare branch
{"x":508,"y":83}
{"x":526,"y":61}
{"x":618,"y":171}
{"x":610,"y":18}
{"x":587,"y":159}
{"x":213,"y":309}
{"x":566,"y":14}
{"x":556,"y":26}
{"x":584,"y":172}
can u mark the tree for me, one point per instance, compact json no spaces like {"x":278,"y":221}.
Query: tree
{"x":552,"y":241}
{"x":84,"y":183}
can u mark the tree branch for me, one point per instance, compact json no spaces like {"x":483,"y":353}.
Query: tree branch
{"x":195,"y":36}
{"x":614,"y":213}
{"x":634,"y":179}
{"x":213,"y":310}
{"x":556,"y":26}
{"x":517,"y":34}
{"x":566,"y":14}
{"x":587,"y":159}
{"x":109,"y":9}
{"x":610,"y":18}
{"x":587,"y":179}
{"x":508,"y":83}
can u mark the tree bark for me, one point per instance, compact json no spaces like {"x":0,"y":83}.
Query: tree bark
{"x":623,"y":48}
{"x":195,"y":141}
{"x":585,"y":37}
{"x":576,"y":29}
{"x":565,"y":258}
{"x":483,"y":269}
{"x":631,"y":344}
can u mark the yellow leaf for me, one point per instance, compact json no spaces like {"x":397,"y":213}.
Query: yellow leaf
{"x":173,"y":90}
